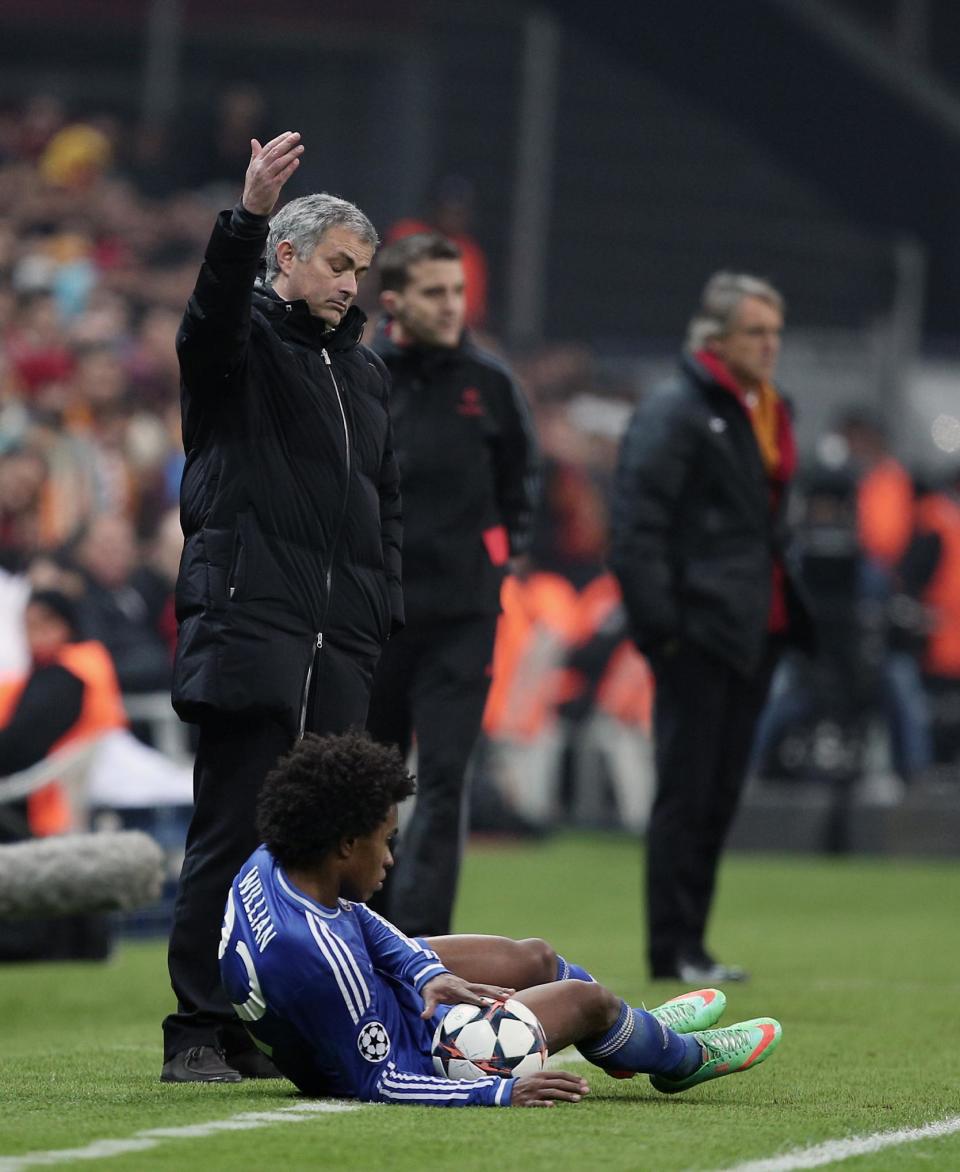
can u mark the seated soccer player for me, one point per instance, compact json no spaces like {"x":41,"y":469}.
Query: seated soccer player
{"x":346,"y":1005}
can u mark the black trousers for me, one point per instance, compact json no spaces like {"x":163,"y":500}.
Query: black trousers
{"x":432,"y":682}
{"x":704,"y":718}
{"x":234,"y":755}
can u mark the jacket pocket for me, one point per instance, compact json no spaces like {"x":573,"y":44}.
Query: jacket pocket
{"x":238,"y":564}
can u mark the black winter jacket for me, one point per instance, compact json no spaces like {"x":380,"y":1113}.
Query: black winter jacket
{"x":468,"y":463}
{"x":693,"y":537}
{"x":290,"y":500}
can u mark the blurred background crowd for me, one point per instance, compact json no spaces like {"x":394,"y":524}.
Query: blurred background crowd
{"x":109,"y":184}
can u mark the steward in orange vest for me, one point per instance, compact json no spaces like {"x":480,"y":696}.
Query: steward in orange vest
{"x":939,"y":514}
{"x":70,"y":695}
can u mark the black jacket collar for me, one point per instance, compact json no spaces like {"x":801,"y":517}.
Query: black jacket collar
{"x":293,"y":320}
{"x":425,"y":358}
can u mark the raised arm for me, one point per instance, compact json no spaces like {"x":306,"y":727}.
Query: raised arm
{"x":216,"y":326}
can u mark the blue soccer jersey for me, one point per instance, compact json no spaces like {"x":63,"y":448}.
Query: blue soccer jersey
{"x":333,"y":995}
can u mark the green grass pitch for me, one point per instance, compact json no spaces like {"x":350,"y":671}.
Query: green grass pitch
{"x":859,"y":959}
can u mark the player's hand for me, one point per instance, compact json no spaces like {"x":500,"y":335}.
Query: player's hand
{"x":547,"y":1087}
{"x":269,"y":168}
{"x":449,"y":989}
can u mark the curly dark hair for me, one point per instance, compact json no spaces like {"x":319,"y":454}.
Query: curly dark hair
{"x":327,"y":789}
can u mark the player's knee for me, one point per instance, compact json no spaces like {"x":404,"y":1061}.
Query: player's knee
{"x":601,"y":1007}
{"x":540,"y":960}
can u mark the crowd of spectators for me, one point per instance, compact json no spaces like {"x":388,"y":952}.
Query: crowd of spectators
{"x":99,"y":250}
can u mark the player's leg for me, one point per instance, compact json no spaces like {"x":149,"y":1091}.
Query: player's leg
{"x":625,"y":1041}
{"x":608,"y":1032}
{"x":498,"y":960}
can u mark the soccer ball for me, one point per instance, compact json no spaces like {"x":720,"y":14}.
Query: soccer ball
{"x":473,"y":1041}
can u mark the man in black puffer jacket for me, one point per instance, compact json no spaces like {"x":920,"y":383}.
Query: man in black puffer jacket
{"x":290,"y":578}
{"x":698,"y":544}
{"x":468,"y":459}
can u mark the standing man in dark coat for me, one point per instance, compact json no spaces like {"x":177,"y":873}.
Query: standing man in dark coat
{"x":468,"y":459}
{"x":698,"y":546}
{"x":290,"y":578}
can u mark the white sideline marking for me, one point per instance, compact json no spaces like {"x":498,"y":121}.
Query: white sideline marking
{"x":836,"y":1150}
{"x":152,"y":1136}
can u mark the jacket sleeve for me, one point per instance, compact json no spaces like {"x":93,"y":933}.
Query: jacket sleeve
{"x":517,"y":464}
{"x":48,"y":707}
{"x":215,"y":329}
{"x":655,"y":460}
{"x":391,"y":509}
{"x":345,"y":1022}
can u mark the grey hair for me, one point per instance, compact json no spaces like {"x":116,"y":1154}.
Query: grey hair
{"x":719,"y":303}
{"x":303,"y":222}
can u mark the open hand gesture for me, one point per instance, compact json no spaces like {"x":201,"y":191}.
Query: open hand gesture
{"x":269,"y":168}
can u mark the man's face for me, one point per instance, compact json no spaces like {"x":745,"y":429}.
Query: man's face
{"x":328,"y":279}
{"x":751,"y":347}
{"x":370,"y":859}
{"x":430,"y":310}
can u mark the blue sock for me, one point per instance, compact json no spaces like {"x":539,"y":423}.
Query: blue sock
{"x":571,"y":972}
{"x":638,"y":1042}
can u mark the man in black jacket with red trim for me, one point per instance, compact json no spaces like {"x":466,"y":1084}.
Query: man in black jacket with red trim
{"x":468,"y":459}
{"x":290,"y":578}
{"x":698,"y":544}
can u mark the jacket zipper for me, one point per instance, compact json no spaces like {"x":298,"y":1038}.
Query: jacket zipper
{"x":306,"y":686}
{"x":318,"y":647}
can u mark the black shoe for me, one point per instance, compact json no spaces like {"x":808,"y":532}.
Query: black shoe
{"x":253,"y":1064}
{"x":709,"y":972}
{"x":198,"y":1064}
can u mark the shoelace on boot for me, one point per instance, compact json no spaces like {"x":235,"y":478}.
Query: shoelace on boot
{"x":673,"y":1015}
{"x":724,"y":1041}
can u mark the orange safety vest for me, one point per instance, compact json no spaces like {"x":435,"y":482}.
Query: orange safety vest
{"x":522,"y":697}
{"x":101,"y":711}
{"x":885,"y":512}
{"x":625,"y":690}
{"x":940,"y":514}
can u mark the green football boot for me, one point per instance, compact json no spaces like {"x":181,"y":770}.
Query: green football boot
{"x":728,"y":1051}
{"x":691,"y":1011}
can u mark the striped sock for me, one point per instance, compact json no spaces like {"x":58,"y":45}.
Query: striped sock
{"x":638,"y":1042}
{"x":571,"y":972}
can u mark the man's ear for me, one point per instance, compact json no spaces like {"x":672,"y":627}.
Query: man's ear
{"x":390,"y":300}
{"x":285,"y":256}
{"x":345,"y":848}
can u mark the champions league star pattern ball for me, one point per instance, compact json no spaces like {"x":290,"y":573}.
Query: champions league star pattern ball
{"x":473,"y":1041}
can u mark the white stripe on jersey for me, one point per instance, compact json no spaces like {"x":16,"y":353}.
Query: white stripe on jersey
{"x":400,"y":935}
{"x":315,"y":925}
{"x":445,"y":1089}
{"x":423,"y":1096}
{"x":307,"y":903}
{"x":435,"y":965}
{"x":406,"y":1081}
{"x":351,"y":969}
{"x":432,"y":1084}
